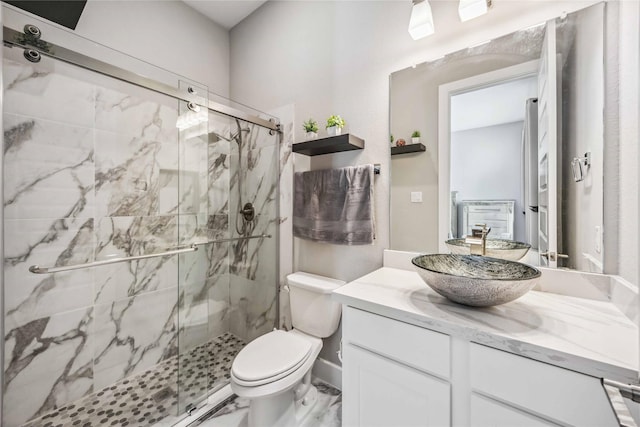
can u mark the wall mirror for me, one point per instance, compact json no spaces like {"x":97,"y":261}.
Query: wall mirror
{"x":514,"y":132}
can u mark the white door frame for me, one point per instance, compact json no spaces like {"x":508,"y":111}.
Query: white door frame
{"x":445,"y":92}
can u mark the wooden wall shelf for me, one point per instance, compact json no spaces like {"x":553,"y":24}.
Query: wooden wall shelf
{"x":330,"y":144}
{"x":411,"y":148}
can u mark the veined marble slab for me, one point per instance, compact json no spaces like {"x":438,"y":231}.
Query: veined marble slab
{"x":587,"y":336}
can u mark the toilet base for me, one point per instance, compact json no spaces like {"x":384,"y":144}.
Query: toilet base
{"x":271,"y":411}
{"x":281,"y":410}
{"x":306,"y":403}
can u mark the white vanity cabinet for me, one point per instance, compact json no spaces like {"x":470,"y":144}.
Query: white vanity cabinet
{"x":394,"y":374}
{"x":390,"y":393}
{"x":398,"y":374}
{"x":552,"y":395}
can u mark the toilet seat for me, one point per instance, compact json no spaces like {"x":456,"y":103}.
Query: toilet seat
{"x":269,"y":358}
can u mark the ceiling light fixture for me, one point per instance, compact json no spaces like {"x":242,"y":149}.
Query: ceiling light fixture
{"x":421,"y":22}
{"x":469,"y":9}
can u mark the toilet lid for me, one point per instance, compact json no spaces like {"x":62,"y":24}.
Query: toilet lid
{"x":270,"y":355}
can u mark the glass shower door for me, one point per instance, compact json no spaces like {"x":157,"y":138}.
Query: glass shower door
{"x":253,"y":258}
{"x":232,"y":287}
{"x":85,"y":156}
{"x":191,"y":183}
{"x":121,"y":176}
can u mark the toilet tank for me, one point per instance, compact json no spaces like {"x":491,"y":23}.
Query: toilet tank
{"x":312,"y":309}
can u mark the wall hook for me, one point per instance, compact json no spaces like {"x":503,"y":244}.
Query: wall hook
{"x":580,"y":165}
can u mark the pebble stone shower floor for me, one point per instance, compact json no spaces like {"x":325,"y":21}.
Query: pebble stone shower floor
{"x":326,"y":412}
{"x":152,"y":396}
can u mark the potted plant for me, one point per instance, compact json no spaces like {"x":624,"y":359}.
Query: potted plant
{"x":334,"y":125}
{"x":391,"y":138}
{"x":415,"y":137}
{"x":311,"y":128}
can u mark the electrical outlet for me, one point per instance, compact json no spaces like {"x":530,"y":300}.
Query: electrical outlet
{"x":416,"y":197}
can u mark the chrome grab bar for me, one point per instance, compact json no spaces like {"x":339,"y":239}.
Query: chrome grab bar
{"x":47,"y":270}
{"x":233,"y":239}
{"x":191,"y":248}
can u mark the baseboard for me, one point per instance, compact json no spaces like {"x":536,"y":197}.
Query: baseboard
{"x":328,"y":372}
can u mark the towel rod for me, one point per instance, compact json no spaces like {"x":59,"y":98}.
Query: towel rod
{"x":191,"y":248}
{"x":47,"y":270}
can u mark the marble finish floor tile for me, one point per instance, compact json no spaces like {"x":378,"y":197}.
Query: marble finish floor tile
{"x":147,"y":398}
{"x":327,"y":412}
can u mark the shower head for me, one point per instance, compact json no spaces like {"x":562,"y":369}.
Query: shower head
{"x":217,"y":136}
{"x":234,"y":137}
{"x":237,"y":137}
{"x":240,"y":131}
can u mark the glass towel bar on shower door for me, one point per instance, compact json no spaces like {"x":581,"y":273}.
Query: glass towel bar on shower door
{"x":191,"y":248}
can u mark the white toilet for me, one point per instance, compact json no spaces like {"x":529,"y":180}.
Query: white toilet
{"x":274,"y":370}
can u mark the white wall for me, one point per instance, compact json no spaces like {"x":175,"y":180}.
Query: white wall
{"x":336,"y":57}
{"x":167,"y":34}
{"x":486,"y":164}
{"x":629,"y":54}
{"x":583,"y":128}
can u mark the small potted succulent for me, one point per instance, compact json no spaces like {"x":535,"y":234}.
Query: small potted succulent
{"x":415,"y":137}
{"x":311,"y":128}
{"x":334,"y":125}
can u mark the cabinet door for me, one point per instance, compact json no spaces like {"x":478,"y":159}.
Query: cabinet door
{"x":553,"y":393}
{"x":379,"y":392}
{"x":486,"y":412}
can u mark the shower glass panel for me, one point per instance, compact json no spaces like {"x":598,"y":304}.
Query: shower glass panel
{"x":84,"y":161}
{"x":254,"y":171}
{"x":191,"y":184}
{"x":233,"y":300}
{"x":99,"y":169}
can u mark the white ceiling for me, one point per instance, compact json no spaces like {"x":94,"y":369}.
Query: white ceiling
{"x":494,"y":105}
{"x":227,"y":13}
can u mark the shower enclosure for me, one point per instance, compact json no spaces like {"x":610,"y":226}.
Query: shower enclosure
{"x":140,"y":234}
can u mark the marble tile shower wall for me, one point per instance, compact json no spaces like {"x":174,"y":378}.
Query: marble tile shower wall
{"x":287,"y":119}
{"x":92,"y":168}
{"x":252,"y":273}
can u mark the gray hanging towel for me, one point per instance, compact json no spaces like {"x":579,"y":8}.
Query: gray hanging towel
{"x":335,"y":205}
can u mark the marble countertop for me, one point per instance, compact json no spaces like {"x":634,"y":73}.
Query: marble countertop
{"x":587,"y":336}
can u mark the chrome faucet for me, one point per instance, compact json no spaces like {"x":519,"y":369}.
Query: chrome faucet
{"x":478,"y":239}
